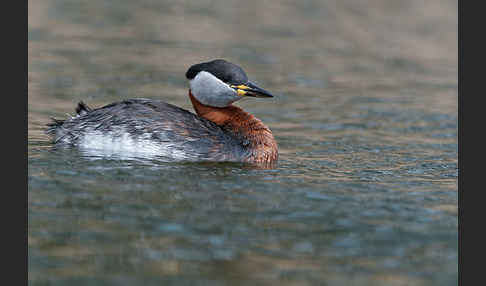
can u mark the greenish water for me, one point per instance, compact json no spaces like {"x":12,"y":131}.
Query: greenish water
{"x":365,"y":116}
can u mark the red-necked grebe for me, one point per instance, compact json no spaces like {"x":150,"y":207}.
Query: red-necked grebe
{"x":219,"y":132}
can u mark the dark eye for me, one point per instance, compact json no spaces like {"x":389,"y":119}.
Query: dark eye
{"x":229,"y":79}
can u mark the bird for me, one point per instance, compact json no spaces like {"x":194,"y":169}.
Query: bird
{"x":218,"y":131}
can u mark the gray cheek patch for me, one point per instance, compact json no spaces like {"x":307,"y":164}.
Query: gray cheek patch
{"x":210,"y":90}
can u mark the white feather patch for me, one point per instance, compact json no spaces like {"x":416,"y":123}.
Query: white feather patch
{"x":210,"y":90}
{"x":123,"y":145}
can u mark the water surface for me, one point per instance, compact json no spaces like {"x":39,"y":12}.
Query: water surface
{"x":365,"y":116}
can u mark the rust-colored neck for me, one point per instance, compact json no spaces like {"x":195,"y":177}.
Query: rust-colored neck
{"x":263,"y":145}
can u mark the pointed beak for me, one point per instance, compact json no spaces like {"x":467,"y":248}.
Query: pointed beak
{"x":250,"y":89}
